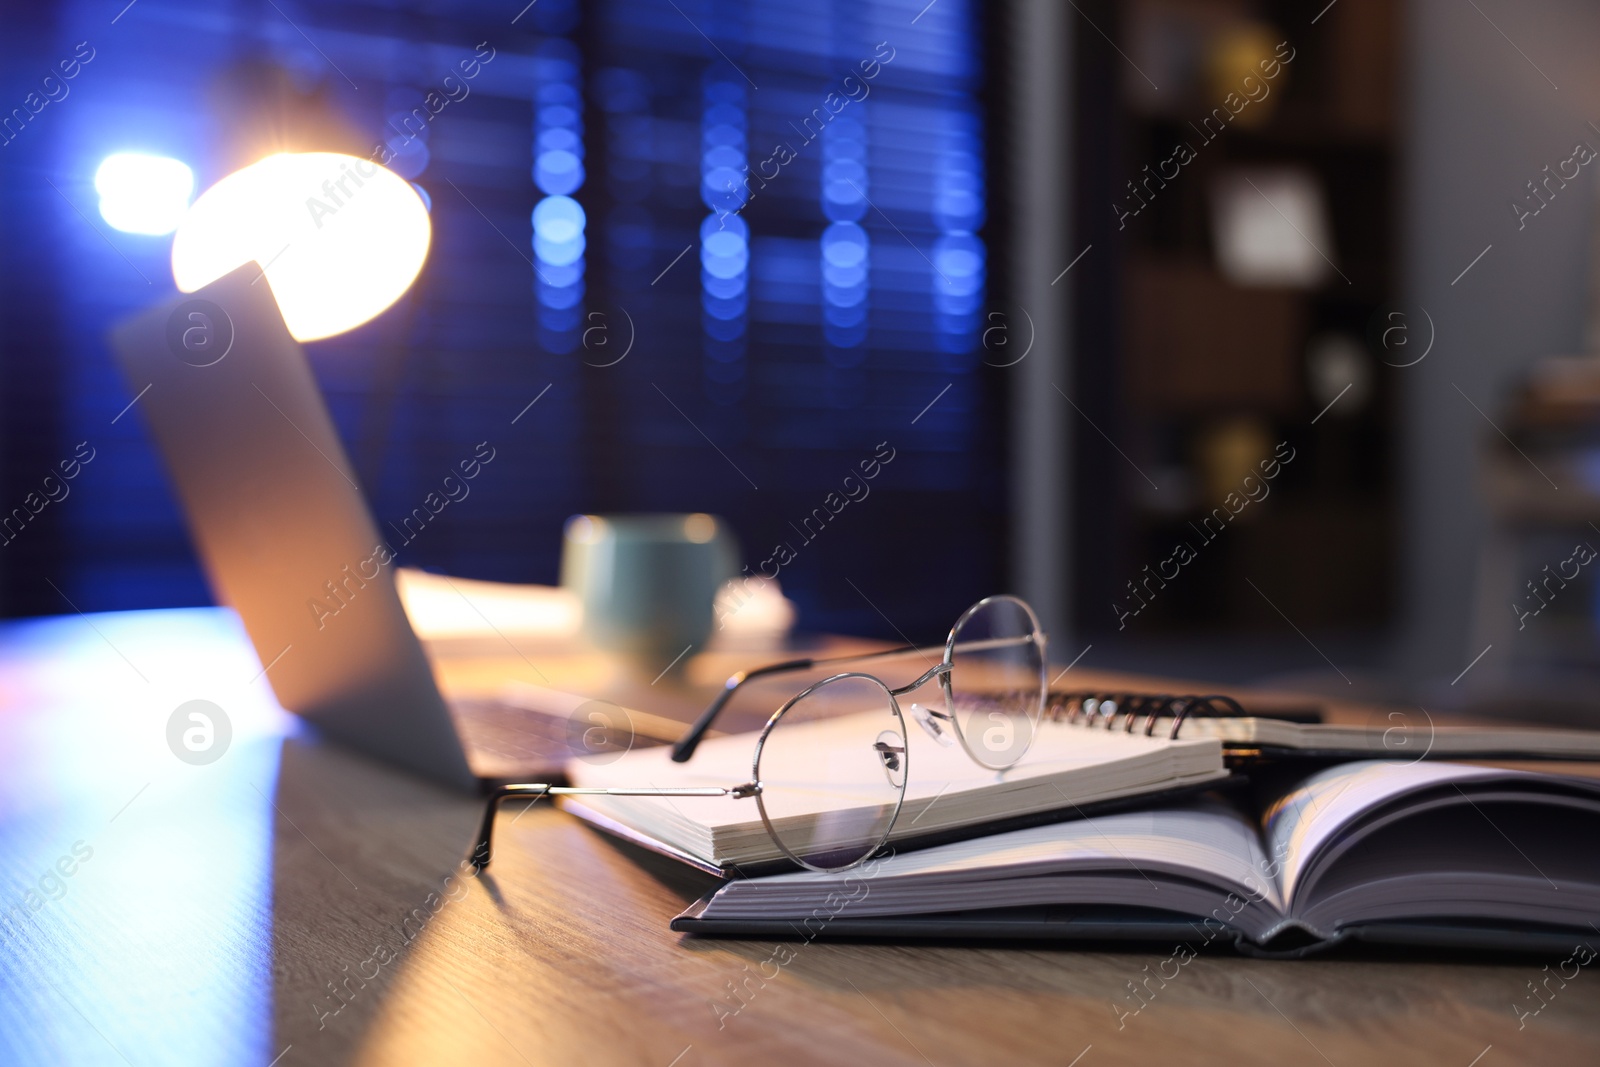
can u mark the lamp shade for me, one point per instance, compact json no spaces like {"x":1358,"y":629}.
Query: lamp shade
{"x":339,"y":238}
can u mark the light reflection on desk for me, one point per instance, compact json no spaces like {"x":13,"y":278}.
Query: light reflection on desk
{"x":171,"y":864}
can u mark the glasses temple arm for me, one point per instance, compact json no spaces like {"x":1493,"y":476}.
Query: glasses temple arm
{"x":697,"y":732}
{"x":685,"y":746}
{"x":481,"y":851}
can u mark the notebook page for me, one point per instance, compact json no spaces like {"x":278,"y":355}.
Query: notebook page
{"x":945,"y":787}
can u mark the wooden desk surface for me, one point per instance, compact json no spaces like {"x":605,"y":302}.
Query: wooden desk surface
{"x":211,"y":909}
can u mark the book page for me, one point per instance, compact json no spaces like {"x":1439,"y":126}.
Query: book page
{"x":1297,"y":826}
{"x":1160,"y":854}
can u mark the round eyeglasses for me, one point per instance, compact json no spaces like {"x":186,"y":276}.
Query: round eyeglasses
{"x":830,"y":766}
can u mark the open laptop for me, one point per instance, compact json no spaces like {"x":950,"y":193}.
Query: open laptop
{"x":286,"y":539}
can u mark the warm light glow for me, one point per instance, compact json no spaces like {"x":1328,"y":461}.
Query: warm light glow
{"x":587,"y":529}
{"x":339,"y":237}
{"x":699,"y":528}
{"x":143,"y":194}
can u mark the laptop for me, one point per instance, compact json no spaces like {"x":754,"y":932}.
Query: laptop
{"x":286,"y":540}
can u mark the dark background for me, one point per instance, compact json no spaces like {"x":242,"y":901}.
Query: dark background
{"x":1386,"y":560}
{"x":793,"y":402}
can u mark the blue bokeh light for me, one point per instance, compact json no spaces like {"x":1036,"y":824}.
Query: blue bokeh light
{"x":559,"y":221}
{"x":724,"y":235}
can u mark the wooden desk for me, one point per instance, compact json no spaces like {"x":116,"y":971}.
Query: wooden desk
{"x":219,"y":902}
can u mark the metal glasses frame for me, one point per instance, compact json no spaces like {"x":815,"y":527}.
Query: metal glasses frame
{"x":685,"y":748}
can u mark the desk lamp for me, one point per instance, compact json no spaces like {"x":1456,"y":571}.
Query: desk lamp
{"x":338,"y":237}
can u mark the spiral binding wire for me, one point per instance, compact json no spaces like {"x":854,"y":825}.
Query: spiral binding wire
{"x":1093,"y":709}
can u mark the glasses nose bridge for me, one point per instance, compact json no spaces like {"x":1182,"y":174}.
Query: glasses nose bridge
{"x":927,"y":676}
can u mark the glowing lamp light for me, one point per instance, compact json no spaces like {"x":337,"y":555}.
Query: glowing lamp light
{"x":143,"y":194}
{"x":338,"y":237}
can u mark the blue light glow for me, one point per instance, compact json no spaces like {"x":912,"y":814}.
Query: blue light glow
{"x":563,"y":275}
{"x":724,"y":324}
{"x":558,"y":172}
{"x":559,"y":253}
{"x":958,"y":203}
{"x":959,"y":256}
{"x":410,"y":156}
{"x":846,"y":246}
{"x":724,"y":255}
{"x":560,"y":298}
{"x":559,"y":221}
{"x":562,"y":91}
{"x":724,"y":235}
{"x":142,"y":193}
{"x":722,"y":288}
{"x":560,"y":140}
{"x":559,"y":116}
{"x":844,"y":173}
{"x":724,"y":156}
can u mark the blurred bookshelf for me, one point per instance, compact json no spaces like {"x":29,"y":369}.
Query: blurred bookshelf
{"x":1199,"y":355}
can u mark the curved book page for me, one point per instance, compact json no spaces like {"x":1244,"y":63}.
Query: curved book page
{"x":1375,"y":841}
{"x":1203,"y":860}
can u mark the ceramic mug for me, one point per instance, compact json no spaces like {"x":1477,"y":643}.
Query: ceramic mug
{"x":648,"y":583}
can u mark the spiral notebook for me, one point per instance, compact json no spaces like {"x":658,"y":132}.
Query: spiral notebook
{"x":1070,"y":771}
{"x":1254,"y":733}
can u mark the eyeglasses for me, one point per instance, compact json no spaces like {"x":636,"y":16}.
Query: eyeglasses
{"x":831,"y":808}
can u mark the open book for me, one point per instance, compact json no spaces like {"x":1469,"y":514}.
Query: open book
{"x":1070,"y":771}
{"x":1430,"y":853}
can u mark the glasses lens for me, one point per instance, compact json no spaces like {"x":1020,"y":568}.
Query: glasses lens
{"x":996,"y":680}
{"x":833,"y":771}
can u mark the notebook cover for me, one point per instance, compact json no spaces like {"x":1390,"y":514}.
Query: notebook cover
{"x":1073,"y":923}
{"x":1105,"y":923}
